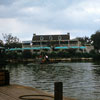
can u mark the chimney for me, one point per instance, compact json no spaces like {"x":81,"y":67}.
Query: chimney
{"x":68,"y":34}
{"x":34,"y":34}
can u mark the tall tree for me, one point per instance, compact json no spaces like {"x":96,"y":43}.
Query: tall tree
{"x":1,"y":43}
{"x":96,"y":40}
{"x":84,"y":40}
{"x":11,"y":41}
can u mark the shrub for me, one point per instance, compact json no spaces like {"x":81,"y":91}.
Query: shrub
{"x":27,"y":54}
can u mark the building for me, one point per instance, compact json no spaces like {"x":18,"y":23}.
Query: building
{"x":50,"y":40}
{"x":52,"y":43}
{"x":55,"y":42}
{"x":26,"y":44}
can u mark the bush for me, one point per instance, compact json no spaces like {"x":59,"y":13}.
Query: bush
{"x":52,"y":55}
{"x":11,"y":55}
{"x":27,"y":54}
{"x":34,"y":55}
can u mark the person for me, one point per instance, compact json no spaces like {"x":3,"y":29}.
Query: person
{"x":40,"y":58}
{"x":46,"y":57}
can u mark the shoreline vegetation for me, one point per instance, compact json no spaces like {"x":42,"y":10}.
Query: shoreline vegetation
{"x":51,"y":60}
{"x":61,"y":56}
{"x":71,"y":54}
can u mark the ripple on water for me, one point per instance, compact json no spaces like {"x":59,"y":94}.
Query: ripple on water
{"x":81,"y":80}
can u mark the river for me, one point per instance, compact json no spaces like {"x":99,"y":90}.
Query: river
{"x":81,"y":80}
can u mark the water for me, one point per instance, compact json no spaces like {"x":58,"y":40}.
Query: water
{"x":81,"y":80}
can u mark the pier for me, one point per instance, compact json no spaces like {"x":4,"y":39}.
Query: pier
{"x":19,"y":92}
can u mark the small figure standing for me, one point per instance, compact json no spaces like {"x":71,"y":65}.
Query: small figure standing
{"x":46,"y":57}
{"x":40,"y":58}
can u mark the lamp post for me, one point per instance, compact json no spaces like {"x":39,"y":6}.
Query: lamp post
{"x":59,"y":38}
{"x":41,"y":39}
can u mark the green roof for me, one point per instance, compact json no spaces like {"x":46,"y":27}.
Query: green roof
{"x":74,"y":47}
{"x":65,"y":47}
{"x":38,"y":48}
{"x":33,"y":48}
{"x":82,"y":47}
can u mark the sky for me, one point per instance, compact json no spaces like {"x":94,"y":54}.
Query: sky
{"x":23,"y":18}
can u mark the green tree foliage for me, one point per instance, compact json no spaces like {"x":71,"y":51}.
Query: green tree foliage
{"x":2,"y":51}
{"x":1,"y":43}
{"x":13,"y":45}
{"x":11,"y":55}
{"x":96,"y":40}
{"x":84,"y":40}
{"x":26,"y":54}
{"x":11,"y":41}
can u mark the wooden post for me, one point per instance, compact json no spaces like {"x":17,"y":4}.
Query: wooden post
{"x":4,"y":77}
{"x":7,"y":78}
{"x":58,"y":91}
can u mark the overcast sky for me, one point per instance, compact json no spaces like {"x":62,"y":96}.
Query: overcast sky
{"x":22,"y":18}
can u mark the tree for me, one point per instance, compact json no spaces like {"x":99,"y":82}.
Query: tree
{"x":11,"y":41}
{"x":96,"y":40}
{"x":84,"y":40}
{"x":1,"y":43}
{"x":27,"y":54}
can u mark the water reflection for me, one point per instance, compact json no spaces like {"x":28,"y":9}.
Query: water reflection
{"x":80,"y":80}
{"x":96,"y":68}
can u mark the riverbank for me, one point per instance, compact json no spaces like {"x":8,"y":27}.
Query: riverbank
{"x":51,"y":60}
{"x":72,"y":59}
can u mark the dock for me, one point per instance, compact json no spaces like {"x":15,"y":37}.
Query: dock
{"x":19,"y":92}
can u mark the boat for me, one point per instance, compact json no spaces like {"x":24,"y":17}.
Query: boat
{"x":49,"y":61}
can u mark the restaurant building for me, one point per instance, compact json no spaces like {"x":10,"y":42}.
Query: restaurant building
{"x":51,"y":43}
{"x":55,"y":42}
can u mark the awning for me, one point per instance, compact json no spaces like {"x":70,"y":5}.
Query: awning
{"x":28,"y":48}
{"x":12,"y":49}
{"x":74,"y":47}
{"x":38,"y":48}
{"x":61,"y":47}
{"x":82,"y":47}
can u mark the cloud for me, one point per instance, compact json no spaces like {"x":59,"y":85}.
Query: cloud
{"x":14,"y":26}
{"x":22,"y":30}
{"x":97,"y":20}
{"x":6,"y":2}
{"x":24,"y":17}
